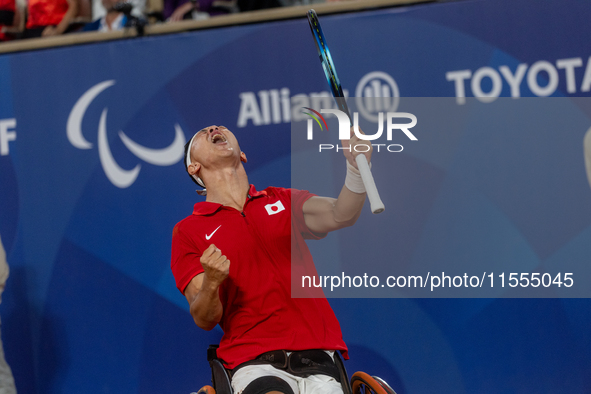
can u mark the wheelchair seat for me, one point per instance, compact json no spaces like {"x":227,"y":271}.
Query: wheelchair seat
{"x":360,"y":383}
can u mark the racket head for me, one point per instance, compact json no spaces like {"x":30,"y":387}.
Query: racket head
{"x":327,"y":63}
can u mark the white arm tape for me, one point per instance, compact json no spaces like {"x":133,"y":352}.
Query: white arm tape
{"x":353,"y":179}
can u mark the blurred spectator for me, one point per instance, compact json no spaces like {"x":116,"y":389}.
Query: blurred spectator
{"x":6,"y":378}
{"x":289,"y":3}
{"x":99,"y":9}
{"x":7,"y":17}
{"x":49,"y":17}
{"x":7,"y":9}
{"x":176,"y":10}
{"x":113,"y":20}
{"x":252,"y":5}
{"x":83,"y":17}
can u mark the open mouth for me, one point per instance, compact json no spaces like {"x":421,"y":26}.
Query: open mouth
{"x":218,"y":138}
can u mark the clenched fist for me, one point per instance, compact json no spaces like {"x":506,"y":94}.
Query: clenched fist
{"x":215,"y":265}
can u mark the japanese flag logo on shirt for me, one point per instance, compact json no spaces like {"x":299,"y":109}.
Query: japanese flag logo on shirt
{"x":274,"y":208}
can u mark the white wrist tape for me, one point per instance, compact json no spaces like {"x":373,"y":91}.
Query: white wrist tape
{"x":353,"y":179}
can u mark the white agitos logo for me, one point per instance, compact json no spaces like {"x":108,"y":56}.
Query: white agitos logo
{"x":118,"y":176}
{"x":376,"y":92}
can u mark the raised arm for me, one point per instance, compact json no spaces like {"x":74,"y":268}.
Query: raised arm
{"x":324,"y":214}
{"x":203,"y":291}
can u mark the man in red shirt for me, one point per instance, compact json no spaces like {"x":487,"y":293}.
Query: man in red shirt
{"x":7,"y":16}
{"x":49,"y":17}
{"x":269,"y":337}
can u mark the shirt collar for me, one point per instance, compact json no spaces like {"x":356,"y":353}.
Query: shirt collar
{"x":117,"y":24}
{"x":208,"y":208}
{"x":253,"y":193}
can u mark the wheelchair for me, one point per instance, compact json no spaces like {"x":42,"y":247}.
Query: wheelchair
{"x":360,"y":383}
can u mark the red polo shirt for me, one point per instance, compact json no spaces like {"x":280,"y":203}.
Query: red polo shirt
{"x":261,"y":243}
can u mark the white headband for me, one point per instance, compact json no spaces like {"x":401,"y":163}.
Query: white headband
{"x":188,"y":163}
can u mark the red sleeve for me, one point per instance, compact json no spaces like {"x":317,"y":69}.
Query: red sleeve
{"x":298,"y":198}
{"x":185,"y":259}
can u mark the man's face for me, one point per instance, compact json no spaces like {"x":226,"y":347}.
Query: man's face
{"x":214,"y":143}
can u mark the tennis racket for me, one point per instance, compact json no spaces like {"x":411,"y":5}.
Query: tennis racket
{"x":376,"y":204}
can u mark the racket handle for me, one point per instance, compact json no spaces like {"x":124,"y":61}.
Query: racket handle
{"x":375,"y":202}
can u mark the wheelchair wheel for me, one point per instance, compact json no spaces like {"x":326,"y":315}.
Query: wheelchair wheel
{"x":384,"y":385}
{"x":362,"y":383}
